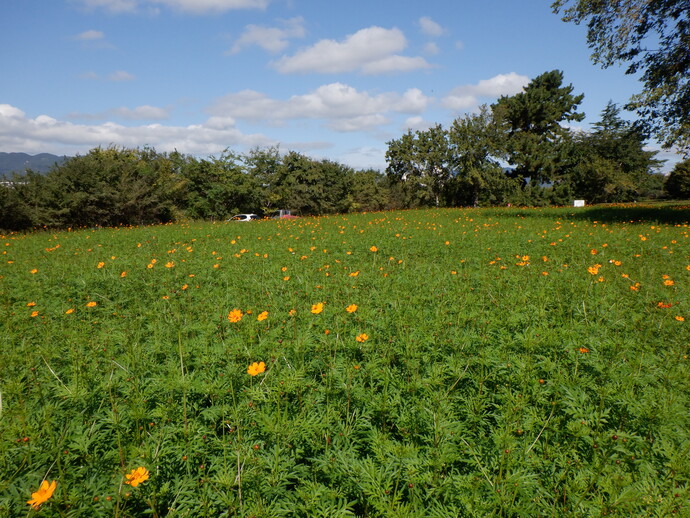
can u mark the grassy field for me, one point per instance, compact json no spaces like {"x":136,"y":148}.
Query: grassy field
{"x":443,"y":363}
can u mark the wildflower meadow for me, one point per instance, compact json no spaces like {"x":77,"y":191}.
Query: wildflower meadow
{"x":432,"y":363}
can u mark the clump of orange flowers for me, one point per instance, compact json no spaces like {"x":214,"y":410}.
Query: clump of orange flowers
{"x":256,"y":368}
{"x":262,"y":316}
{"x":137,"y":476}
{"x":45,"y":491}
{"x":235,"y":315}
{"x":362,"y":338}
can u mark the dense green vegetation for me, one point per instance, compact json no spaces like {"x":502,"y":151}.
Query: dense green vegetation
{"x":519,"y":151}
{"x":443,"y":363}
{"x":652,"y":39}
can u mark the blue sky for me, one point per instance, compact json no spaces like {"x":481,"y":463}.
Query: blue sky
{"x":332,"y":80}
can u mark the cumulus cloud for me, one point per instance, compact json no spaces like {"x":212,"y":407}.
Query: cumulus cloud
{"x":47,"y":134}
{"x":430,"y":28}
{"x":192,"y":6}
{"x":342,"y":107}
{"x":468,"y":96}
{"x":145,"y":112}
{"x":271,"y":39}
{"x":120,"y":75}
{"x":90,"y":35}
{"x":373,"y":50}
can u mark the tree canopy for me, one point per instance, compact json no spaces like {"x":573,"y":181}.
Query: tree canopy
{"x":651,"y":37}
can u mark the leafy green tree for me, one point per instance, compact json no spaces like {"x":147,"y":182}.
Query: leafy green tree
{"x":110,"y":187}
{"x":534,"y":136}
{"x":611,"y":164}
{"x":677,"y":183}
{"x":651,"y":37}
{"x":310,"y":186}
{"x":218,"y":187}
{"x":421,"y":162}
{"x":369,"y":191}
{"x":475,"y":154}
{"x":263,"y":164}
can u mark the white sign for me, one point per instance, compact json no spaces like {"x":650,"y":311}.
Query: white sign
{"x":578,"y":203}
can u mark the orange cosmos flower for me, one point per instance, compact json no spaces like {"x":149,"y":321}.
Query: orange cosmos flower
{"x":669,"y":282}
{"x":262,"y":316}
{"x":235,"y":316}
{"x":256,"y":368}
{"x":292,"y":312}
{"x":362,"y":338}
{"x":351,"y":308}
{"x":45,"y":491}
{"x":91,"y":304}
{"x":69,"y":311}
{"x":137,"y":476}
{"x":664,"y":305}
{"x":169,"y":264}
{"x":584,"y":350}
{"x":34,"y":271}
{"x":34,"y":313}
{"x":317,"y":308}
{"x":354,"y":274}
{"x":286,"y":278}
{"x":123,"y":274}
{"x":100,"y":265}
{"x":679,"y":318}
{"x":30,"y":304}
{"x":594,"y":270}
{"x":374,"y":249}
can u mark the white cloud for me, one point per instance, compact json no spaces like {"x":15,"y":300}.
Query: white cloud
{"x":342,"y":107}
{"x":145,"y":112}
{"x":47,"y":134}
{"x":431,"y":48}
{"x":467,"y":96}
{"x":371,"y":51}
{"x":212,"y":6}
{"x":430,"y":27}
{"x":417,"y":123}
{"x":192,"y":6}
{"x":271,"y":39}
{"x":120,"y":75}
{"x":90,"y":35}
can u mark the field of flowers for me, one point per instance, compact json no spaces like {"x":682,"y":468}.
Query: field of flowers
{"x":443,"y":363}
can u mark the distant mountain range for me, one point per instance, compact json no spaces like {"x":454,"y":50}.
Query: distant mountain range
{"x":20,"y":162}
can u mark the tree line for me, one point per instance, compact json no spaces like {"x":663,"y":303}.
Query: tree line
{"x":519,"y":150}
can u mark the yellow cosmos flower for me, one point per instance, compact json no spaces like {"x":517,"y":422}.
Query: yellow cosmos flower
{"x":45,"y":491}
{"x":351,"y":308}
{"x":362,"y":338}
{"x":256,"y":368}
{"x":262,"y":316}
{"x":235,"y":315}
{"x":137,"y":476}
{"x":317,"y":308}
